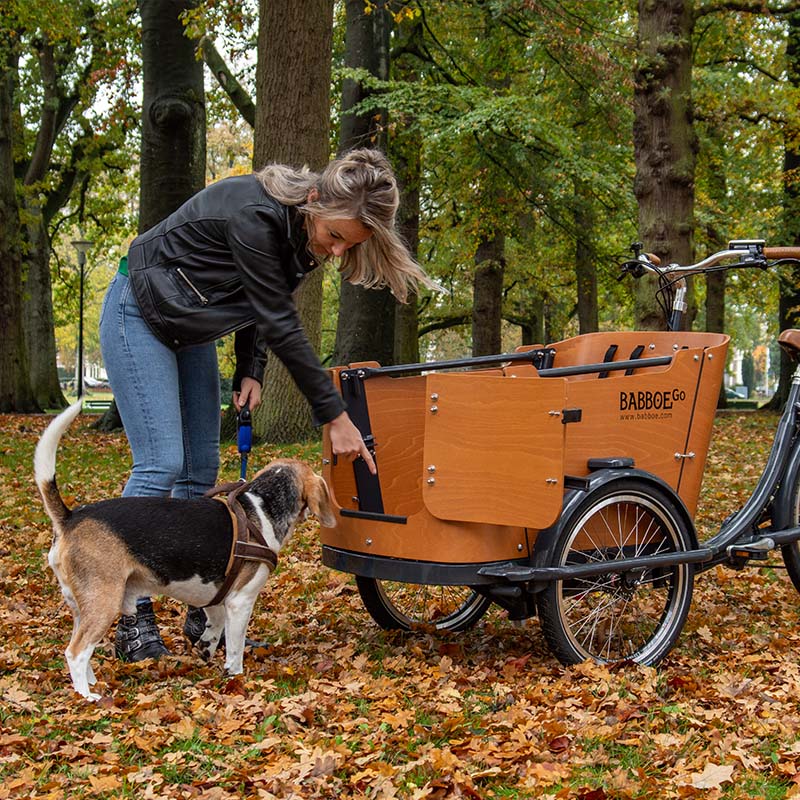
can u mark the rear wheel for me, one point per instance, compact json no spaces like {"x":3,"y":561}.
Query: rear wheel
{"x":612,"y":616}
{"x":791,"y":551}
{"x":405,"y":606}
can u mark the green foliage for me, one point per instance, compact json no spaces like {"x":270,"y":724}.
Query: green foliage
{"x":524,"y":113}
{"x":75,"y":108}
{"x":514,"y":102}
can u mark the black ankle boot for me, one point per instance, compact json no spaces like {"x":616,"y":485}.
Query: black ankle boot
{"x":195,"y":624}
{"x":137,"y":635}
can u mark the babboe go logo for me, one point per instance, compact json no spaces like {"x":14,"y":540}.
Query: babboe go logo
{"x":648,"y":400}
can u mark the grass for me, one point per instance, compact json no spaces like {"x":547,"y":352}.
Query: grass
{"x":335,"y":707}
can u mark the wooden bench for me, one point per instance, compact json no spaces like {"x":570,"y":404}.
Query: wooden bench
{"x":96,"y":405}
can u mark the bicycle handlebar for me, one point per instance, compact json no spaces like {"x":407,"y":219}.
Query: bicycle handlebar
{"x":748,"y":253}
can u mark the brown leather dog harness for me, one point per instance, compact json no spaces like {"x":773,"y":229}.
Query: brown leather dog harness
{"x":248,"y":542}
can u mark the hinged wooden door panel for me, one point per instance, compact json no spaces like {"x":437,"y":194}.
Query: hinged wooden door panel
{"x":494,"y":449}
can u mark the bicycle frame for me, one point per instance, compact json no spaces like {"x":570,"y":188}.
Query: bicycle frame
{"x":781,"y":464}
{"x":784,"y":458}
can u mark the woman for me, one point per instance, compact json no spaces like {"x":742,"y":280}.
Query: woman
{"x":228,"y":261}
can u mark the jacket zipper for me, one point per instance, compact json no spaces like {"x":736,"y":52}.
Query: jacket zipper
{"x":203,"y":299}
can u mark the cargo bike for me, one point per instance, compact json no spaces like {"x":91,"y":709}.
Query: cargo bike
{"x":560,"y":481}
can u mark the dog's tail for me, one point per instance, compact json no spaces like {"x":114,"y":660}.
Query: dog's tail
{"x":44,"y":464}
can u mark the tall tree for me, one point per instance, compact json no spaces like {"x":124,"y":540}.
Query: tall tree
{"x":67,"y":55}
{"x":584,"y":216}
{"x":172,"y":158}
{"x":57,"y":59}
{"x":173,"y":154}
{"x":15,"y":386}
{"x":405,"y":150}
{"x":789,"y":305}
{"x":292,"y":127}
{"x":490,"y":259}
{"x":366,"y":323}
{"x":487,"y":293}
{"x":664,"y":140}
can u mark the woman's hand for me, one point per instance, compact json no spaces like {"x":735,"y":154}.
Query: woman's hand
{"x":249,"y":395}
{"x":346,"y":441}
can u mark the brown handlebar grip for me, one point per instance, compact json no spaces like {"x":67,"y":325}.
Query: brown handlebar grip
{"x":782,"y":252}
{"x":653,"y":259}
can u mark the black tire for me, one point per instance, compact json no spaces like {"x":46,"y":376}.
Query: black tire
{"x":614,"y":617}
{"x":406,"y":606}
{"x":791,"y":551}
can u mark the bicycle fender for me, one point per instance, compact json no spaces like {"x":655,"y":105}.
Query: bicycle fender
{"x":547,"y":538}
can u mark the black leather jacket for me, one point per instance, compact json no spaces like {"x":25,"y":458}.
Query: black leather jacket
{"x":228,"y":260}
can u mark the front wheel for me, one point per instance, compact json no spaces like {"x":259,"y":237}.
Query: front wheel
{"x":616,"y":616}
{"x":405,"y":606}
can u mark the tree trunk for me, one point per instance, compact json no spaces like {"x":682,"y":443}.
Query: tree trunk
{"x":173,"y":155}
{"x":533,"y":329}
{"x":292,"y":127}
{"x":365,"y":329}
{"x":789,"y":303}
{"x":406,"y":318}
{"x":715,"y":231}
{"x":405,"y":150}
{"x":15,"y":387}
{"x":38,"y":310}
{"x":172,"y":161}
{"x":716,"y":234}
{"x":585,"y":266}
{"x":487,"y":296}
{"x":664,"y":141}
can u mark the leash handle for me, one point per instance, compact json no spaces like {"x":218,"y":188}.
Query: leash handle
{"x":244,"y":438}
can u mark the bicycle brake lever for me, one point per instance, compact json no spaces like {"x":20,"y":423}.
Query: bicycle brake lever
{"x":631,"y":268}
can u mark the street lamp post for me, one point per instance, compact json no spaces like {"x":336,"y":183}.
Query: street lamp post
{"x":82,"y":247}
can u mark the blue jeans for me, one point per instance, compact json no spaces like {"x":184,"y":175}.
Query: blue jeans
{"x":169,"y":401}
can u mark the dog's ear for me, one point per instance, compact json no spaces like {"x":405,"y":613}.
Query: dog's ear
{"x":319,"y":502}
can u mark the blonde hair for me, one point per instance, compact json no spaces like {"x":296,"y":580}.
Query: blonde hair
{"x":358,"y":185}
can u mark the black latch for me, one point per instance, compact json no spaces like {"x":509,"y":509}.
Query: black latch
{"x":368,"y":486}
{"x":571,"y":415}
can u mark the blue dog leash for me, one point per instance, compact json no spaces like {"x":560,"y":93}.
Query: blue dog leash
{"x":244,"y":438}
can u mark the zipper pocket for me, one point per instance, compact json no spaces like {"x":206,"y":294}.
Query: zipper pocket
{"x":199,"y":294}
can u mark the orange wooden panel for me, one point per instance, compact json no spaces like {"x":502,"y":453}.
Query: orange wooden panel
{"x":702,"y":424}
{"x":494,"y":443}
{"x":397,"y":416}
{"x":649,"y":416}
{"x":494,"y":449}
{"x":426,"y":538}
{"x":591,"y":348}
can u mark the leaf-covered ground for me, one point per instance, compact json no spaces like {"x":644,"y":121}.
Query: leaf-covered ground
{"x":334,"y":707}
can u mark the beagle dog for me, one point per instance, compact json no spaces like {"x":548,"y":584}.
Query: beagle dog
{"x":107,"y":554}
